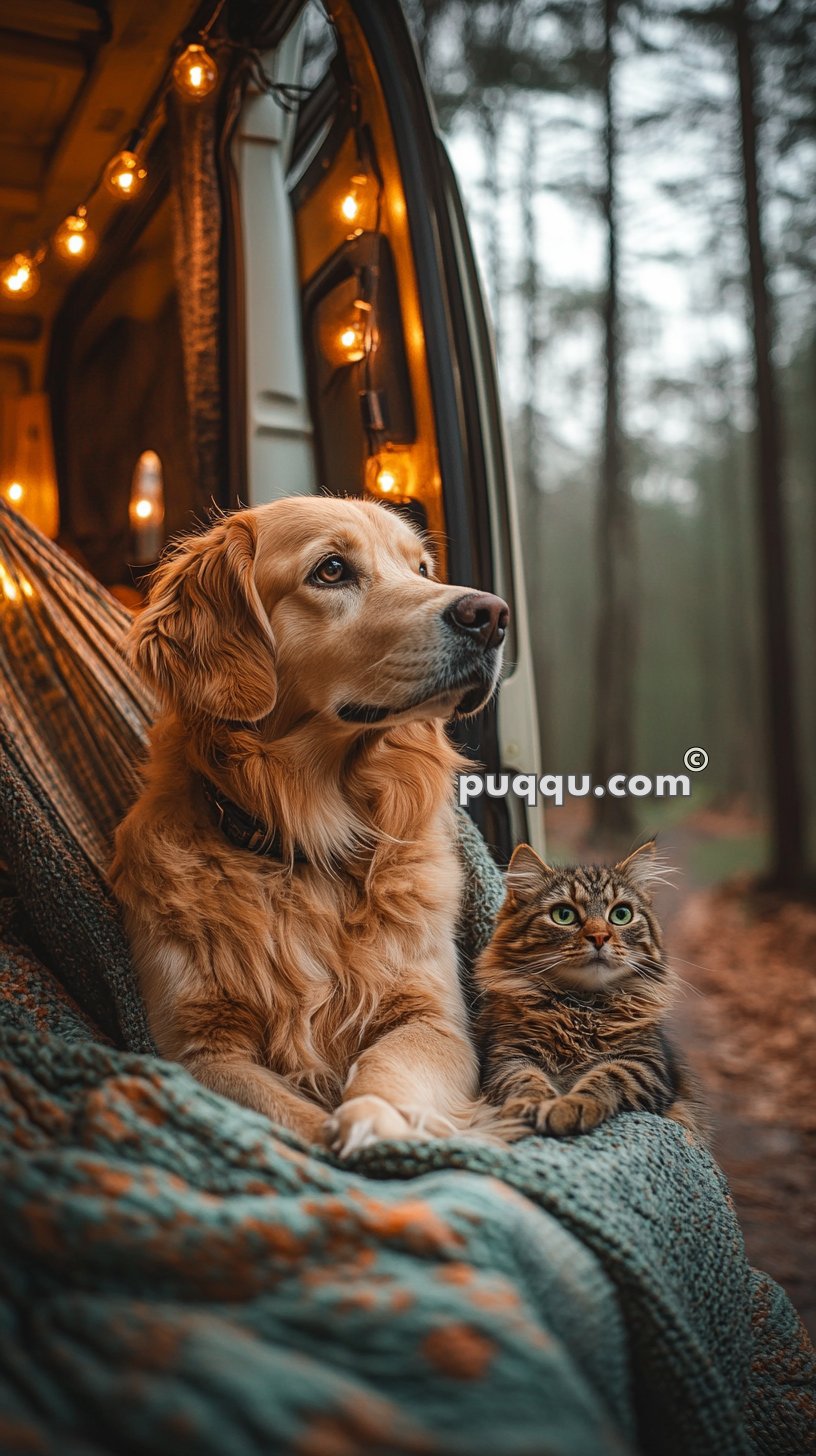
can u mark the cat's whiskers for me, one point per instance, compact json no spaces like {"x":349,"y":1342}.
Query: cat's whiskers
{"x":684,"y":985}
{"x":540,"y":965}
{"x":698,"y":965}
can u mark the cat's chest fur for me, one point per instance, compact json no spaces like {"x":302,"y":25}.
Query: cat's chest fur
{"x":569,"y":1034}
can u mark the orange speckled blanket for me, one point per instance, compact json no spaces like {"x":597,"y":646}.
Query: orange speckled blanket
{"x":178,"y":1276}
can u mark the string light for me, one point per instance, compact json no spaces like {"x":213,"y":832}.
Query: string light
{"x":352,"y":343}
{"x":20,"y":277}
{"x":195,"y":74}
{"x":15,"y":492}
{"x":350,"y":203}
{"x":74,"y":240}
{"x":146,"y":508}
{"x":124,"y":175}
{"x":389,"y":473}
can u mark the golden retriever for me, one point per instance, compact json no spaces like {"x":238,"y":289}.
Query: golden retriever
{"x":307,"y":660}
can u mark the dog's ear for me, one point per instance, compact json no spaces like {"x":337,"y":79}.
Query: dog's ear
{"x":203,"y":641}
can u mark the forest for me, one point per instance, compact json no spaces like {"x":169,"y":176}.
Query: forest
{"x":639,"y":179}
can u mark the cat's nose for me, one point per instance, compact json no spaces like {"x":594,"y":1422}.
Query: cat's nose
{"x":597,"y":933}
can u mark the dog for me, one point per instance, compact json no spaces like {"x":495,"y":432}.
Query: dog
{"x":288,"y":877}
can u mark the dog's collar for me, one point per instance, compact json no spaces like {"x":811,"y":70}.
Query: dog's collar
{"x":243,"y":829}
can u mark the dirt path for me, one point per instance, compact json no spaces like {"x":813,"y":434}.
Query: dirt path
{"x":751,"y":1034}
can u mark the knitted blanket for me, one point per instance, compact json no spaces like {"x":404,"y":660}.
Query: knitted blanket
{"x":179,"y":1276}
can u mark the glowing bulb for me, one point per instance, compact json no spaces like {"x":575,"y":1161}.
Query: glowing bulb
{"x":195,"y":73}
{"x":352,"y":343}
{"x":74,"y":240}
{"x":15,"y":492}
{"x":391,"y":473}
{"x":349,"y":207}
{"x":124,"y":175}
{"x":28,"y":590}
{"x":146,"y":508}
{"x":20,"y":277}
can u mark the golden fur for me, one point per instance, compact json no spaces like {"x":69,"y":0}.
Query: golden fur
{"x":324,"y":994}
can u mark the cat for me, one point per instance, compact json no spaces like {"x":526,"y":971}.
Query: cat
{"x":571,"y":995}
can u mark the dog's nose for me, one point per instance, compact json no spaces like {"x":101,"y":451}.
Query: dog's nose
{"x":482,"y":616}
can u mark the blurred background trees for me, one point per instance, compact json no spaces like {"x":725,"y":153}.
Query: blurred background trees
{"x":640,"y":182}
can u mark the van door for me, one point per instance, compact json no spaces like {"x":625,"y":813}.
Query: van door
{"x":398,"y":375}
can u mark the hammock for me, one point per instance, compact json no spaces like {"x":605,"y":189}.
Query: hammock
{"x":72,"y":710}
{"x":178,"y":1275}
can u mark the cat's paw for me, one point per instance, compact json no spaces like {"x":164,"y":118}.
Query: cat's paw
{"x":526,"y":1114}
{"x":574,"y":1113}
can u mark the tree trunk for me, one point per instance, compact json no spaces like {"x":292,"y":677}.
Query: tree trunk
{"x":615,"y":634}
{"x":532,"y":501}
{"x":531,"y":298}
{"x":491,"y":121}
{"x":787,"y":847}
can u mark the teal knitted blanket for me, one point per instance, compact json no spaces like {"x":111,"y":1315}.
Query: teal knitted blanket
{"x":177,"y":1276}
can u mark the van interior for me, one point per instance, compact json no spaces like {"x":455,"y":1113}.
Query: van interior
{"x":236,"y":265}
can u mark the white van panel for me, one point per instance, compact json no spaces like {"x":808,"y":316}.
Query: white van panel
{"x":280,"y":457}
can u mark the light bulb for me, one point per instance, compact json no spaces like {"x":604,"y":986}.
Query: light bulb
{"x":195,"y":73}
{"x":74,"y":240}
{"x":15,"y":492}
{"x":124,"y":175}
{"x":20,"y":277}
{"x":391,"y":474}
{"x":350,"y":204}
{"x":352,"y":343}
{"x":146,"y":508}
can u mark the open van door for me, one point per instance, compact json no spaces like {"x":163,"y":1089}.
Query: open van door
{"x":383,"y":380}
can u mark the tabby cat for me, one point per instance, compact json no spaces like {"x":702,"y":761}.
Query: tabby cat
{"x":571,"y":995}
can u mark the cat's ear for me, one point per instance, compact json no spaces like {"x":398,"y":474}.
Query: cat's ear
{"x":644,"y":866}
{"x":525,"y":873}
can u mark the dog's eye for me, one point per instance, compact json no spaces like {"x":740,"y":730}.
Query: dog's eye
{"x":333,"y":571}
{"x":423,"y":570}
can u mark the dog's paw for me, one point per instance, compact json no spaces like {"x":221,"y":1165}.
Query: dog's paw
{"x":572,"y":1114}
{"x":364,"y":1120}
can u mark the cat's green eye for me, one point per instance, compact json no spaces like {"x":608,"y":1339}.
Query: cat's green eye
{"x":563,"y":915}
{"x":621,"y":914}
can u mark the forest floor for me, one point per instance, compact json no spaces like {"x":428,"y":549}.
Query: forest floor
{"x":747,"y":1023}
{"x":750,"y":1034}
